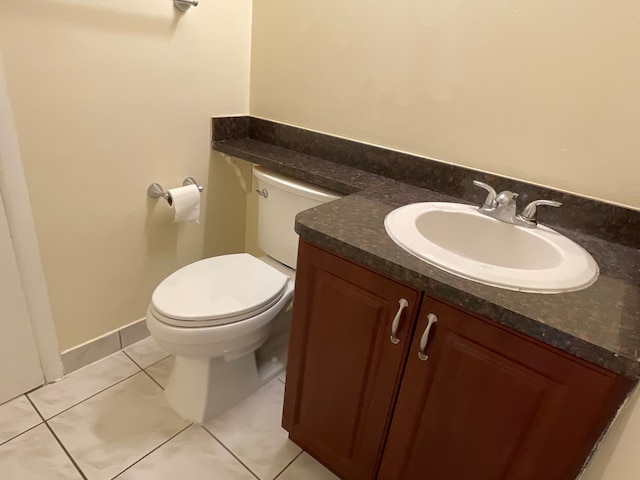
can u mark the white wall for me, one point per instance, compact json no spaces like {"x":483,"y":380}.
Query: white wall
{"x":542,"y":91}
{"x":108,"y":97}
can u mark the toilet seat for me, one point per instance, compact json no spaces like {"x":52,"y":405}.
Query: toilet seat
{"x":218,"y":291}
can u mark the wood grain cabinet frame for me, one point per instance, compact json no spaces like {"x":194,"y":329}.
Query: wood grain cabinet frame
{"x":482,"y":402}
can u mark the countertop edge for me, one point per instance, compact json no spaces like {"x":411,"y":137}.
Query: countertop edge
{"x":627,"y":367}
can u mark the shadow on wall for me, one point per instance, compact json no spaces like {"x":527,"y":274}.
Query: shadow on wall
{"x":162,"y":234}
{"x":229,"y":186}
{"x":143,"y":18}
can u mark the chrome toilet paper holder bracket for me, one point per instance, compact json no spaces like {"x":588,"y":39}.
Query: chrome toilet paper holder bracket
{"x":155,"y":190}
{"x":183,"y":5}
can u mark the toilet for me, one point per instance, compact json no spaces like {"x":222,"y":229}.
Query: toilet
{"x":226,"y":318}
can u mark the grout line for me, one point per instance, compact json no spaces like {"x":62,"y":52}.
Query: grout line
{"x":144,"y":370}
{"x":34,"y":407}
{"x":155,"y":363}
{"x":150,"y":365}
{"x":230,"y":452}
{"x":59,"y":442}
{"x":84,"y":399}
{"x":120,"y":338}
{"x":154,"y":380}
{"x":151,"y":451}
{"x":25,"y":431}
{"x":131,"y":358}
{"x":288,"y":465}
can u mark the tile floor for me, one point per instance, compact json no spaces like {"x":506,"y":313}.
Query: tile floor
{"x":110,"y":420}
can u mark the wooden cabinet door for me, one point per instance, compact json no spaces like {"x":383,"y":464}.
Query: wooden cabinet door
{"x":490,"y":404}
{"x":343,"y":370}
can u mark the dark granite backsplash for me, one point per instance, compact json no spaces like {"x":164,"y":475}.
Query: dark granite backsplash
{"x":600,"y":324}
{"x":230,"y":128}
{"x":606,"y":221}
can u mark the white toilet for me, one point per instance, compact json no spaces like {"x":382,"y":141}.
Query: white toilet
{"x":216,"y":315}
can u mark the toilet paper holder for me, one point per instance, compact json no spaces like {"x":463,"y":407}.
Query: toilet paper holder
{"x":155,"y":190}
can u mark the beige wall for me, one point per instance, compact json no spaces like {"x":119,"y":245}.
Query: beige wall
{"x":617,"y":456}
{"x":542,"y":91}
{"x":110,"y":96}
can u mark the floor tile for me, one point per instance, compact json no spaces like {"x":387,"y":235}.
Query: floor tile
{"x":81,"y":384}
{"x":252,"y":431}
{"x":110,"y":431}
{"x":17,"y":416}
{"x":160,"y":371}
{"x":146,"y":352}
{"x":192,"y":455}
{"x":35,"y":455}
{"x":308,"y":468}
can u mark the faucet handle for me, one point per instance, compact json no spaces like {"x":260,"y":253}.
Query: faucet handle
{"x":528,"y":215}
{"x":490,"y":201}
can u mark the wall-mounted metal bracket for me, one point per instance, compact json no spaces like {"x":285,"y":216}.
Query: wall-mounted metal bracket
{"x":183,"y":5}
{"x":155,"y":190}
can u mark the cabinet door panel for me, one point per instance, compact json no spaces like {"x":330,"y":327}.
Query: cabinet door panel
{"x":343,"y":370}
{"x":489,"y":404}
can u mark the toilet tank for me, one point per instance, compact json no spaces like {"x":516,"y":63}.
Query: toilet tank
{"x":281,"y":199}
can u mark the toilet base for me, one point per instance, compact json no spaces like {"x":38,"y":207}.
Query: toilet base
{"x":200,"y":388}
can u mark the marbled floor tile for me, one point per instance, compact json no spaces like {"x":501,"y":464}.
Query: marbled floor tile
{"x":192,"y":455}
{"x":252,"y":431}
{"x":160,"y":371}
{"x":17,"y":416}
{"x":146,"y":352}
{"x":308,"y":468}
{"x":110,"y":431}
{"x":81,"y":384}
{"x":35,"y":455}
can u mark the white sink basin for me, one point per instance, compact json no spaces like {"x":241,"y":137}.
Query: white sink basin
{"x":460,"y":240}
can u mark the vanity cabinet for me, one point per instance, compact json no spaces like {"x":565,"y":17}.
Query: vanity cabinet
{"x":479,"y":401}
{"x":489,"y":403}
{"x":343,"y":371}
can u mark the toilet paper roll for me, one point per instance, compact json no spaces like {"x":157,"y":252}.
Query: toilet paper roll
{"x":186,"y":203}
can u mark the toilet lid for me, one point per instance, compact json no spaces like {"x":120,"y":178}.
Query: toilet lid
{"x":219,"y":290}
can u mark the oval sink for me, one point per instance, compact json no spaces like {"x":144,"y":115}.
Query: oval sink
{"x":460,"y":240}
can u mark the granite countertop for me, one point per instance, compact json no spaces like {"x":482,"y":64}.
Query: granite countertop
{"x":600,"y":324}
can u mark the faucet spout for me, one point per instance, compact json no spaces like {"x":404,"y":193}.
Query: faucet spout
{"x":505,"y":206}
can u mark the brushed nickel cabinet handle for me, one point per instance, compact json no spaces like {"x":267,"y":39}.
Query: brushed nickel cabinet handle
{"x":396,"y":321}
{"x":432,"y":318}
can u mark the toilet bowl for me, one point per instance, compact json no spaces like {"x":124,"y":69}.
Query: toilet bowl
{"x":214,"y":314}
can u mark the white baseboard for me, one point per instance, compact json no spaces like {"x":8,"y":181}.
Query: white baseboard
{"x":103,"y":346}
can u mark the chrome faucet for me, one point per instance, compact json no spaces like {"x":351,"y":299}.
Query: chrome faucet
{"x":489,"y":204}
{"x":502,"y":206}
{"x":528,"y":215}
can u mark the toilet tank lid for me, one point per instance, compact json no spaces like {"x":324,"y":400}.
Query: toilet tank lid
{"x":295,"y":186}
{"x":219,"y":287}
